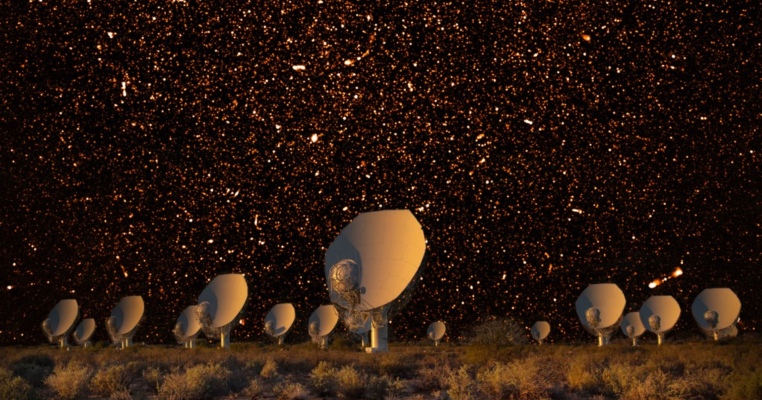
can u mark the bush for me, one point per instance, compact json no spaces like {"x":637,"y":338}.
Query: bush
{"x":254,"y":390}
{"x":199,"y":382}
{"x":461,"y":385}
{"x":322,"y":378}
{"x":270,"y":369}
{"x":349,"y":383}
{"x":291,"y":391}
{"x":114,"y":379}
{"x":154,"y":377}
{"x":498,"y":332}
{"x":34,"y":368}
{"x":520,"y":379}
{"x":14,"y":387}
{"x":70,"y":381}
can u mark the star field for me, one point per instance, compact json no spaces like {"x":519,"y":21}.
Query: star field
{"x":543,"y":146}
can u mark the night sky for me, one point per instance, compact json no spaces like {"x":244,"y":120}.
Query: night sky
{"x":543,"y":146}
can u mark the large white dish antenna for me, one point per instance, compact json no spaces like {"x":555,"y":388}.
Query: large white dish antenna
{"x":326,"y":316}
{"x":436,"y":331}
{"x":632,"y":327}
{"x":387,"y":247}
{"x":279,"y":320}
{"x":125,"y":318}
{"x":600,"y":308}
{"x":371,"y":269}
{"x":715,"y":309}
{"x":659,"y":314}
{"x":540,"y":331}
{"x":321,"y":323}
{"x":61,"y":321}
{"x":84,"y":331}
{"x":224,"y":298}
{"x":128,"y":314}
{"x":188,"y":326}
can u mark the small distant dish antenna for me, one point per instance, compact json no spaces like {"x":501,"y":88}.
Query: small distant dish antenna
{"x":540,"y":331}
{"x":600,"y":308}
{"x":84,"y":332}
{"x":716,"y":309}
{"x":436,"y":332}
{"x":220,"y":304}
{"x":60,"y":322}
{"x":372,"y":269}
{"x":279,"y":320}
{"x":632,"y":326}
{"x":124,"y":320}
{"x":188,"y":327}
{"x":321,"y":324}
{"x":659,"y":314}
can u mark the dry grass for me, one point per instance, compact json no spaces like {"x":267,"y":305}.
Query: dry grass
{"x":693,"y":370}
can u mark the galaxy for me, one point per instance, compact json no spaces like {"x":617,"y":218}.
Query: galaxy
{"x":146,"y":147}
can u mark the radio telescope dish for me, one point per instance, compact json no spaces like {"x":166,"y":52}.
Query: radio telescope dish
{"x":371,"y":267}
{"x":219,"y":304}
{"x":124,"y":320}
{"x":188,"y":327}
{"x":600,"y":308}
{"x":279,"y":320}
{"x":716,"y":309}
{"x":659,"y":314}
{"x":321,"y":324}
{"x":60,"y":321}
{"x":632,"y":327}
{"x":540,"y":330}
{"x":436,"y":332}
{"x":84,"y":332}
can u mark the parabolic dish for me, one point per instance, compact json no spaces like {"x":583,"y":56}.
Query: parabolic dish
{"x":282,"y":317}
{"x":62,"y":317}
{"x":326,"y":317}
{"x":607,"y":298}
{"x":665,"y":307}
{"x":633,"y":319}
{"x":720,"y":300}
{"x":387,"y":248}
{"x":436,"y":330}
{"x":225,"y":296}
{"x":189,"y":320}
{"x":540,"y":330}
{"x":128,"y":313}
{"x":85,"y":330}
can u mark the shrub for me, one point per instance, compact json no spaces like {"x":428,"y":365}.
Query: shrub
{"x":154,"y":377}
{"x":70,"y":381}
{"x":270,"y":369}
{"x":498,"y":332}
{"x":254,"y":390}
{"x":519,"y":379}
{"x":34,"y":368}
{"x":349,"y":383}
{"x":199,"y":382}
{"x":111,"y":380}
{"x":461,"y":384}
{"x":14,"y":387}
{"x":322,"y":378}
{"x":291,"y":391}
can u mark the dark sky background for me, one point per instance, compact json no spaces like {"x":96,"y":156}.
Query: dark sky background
{"x":543,"y":146}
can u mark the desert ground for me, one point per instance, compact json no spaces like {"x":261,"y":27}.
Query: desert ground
{"x":697,"y":369}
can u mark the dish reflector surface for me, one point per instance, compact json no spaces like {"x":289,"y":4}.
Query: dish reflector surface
{"x":190,"y":322}
{"x":540,"y":330}
{"x":62,"y":317}
{"x":633,"y":319}
{"x":607,"y":298}
{"x":326,"y":317}
{"x":282,"y":317}
{"x":665,"y":307}
{"x":436,"y":330}
{"x":720,"y":300}
{"x":128,"y":313}
{"x":226,"y":295}
{"x":85,"y":330}
{"x":387,"y":247}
